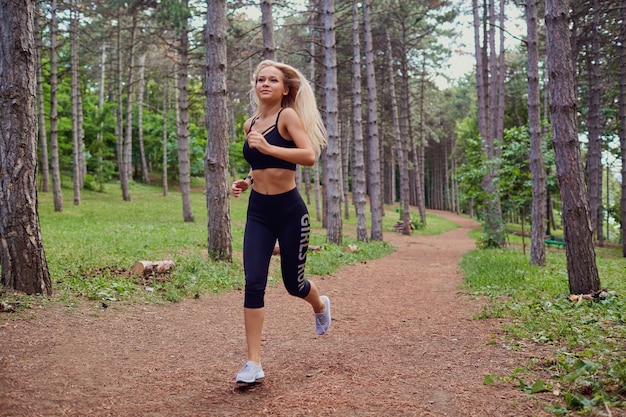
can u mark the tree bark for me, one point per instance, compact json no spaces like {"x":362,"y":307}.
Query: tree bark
{"x":216,"y":158}
{"x":486,"y":67}
{"x":400,"y":143}
{"x":164,"y":139}
{"x":494,"y":86}
{"x":76,"y":167}
{"x":22,"y":257}
{"x":501,"y":77}
{"x":145,"y":268}
{"x":405,"y":134}
{"x":119,"y":116}
{"x":346,"y":145}
{"x":373,"y":142}
{"x":100,"y":135}
{"x":594,"y":124}
{"x":539,"y":187}
{"x":43,"y":141}
{"x":481,"y":87}
{"x":141,"y":87}
{"x":358,"y":170}
{"x":494,"y":223}
{"x":130,"y":82}
{"x":622,"y":121}
{"x":419,"y":158}
{"x":54,"y":115}
{"x":581,"y":262}
{"x":184,"y":161}
{"x":333,"y":151}
{"x":267,"y":30}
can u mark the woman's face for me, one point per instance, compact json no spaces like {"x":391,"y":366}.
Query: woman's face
{"x":270,"y":84}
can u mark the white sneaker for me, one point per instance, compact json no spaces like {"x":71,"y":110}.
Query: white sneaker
{"x":250,"y":373}
{"x":322,"y":320}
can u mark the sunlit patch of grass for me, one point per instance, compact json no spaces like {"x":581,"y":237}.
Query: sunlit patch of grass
{"x":90,"y":248}
{"x":331,"y":257}
{"x":588,"y":368}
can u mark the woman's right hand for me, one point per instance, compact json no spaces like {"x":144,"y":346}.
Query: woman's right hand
{"x":238,"y":187}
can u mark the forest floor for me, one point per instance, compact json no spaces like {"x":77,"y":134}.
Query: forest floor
{"x":403,"y":342}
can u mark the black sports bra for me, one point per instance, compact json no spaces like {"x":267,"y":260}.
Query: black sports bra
{"x":258,"y":160}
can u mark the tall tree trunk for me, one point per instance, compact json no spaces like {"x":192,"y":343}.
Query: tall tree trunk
{"x":141,"y":86}
{"x":130,"y":82}
{"x":358,"y":171}
{"x":404,"y":122}
{"x":400,"y":148}
{"x":622,"y":120}
{"x":164,"y":139}
{"x":76,"y":168}
{"x":22,"y":257}
{"x":373,"y":142}
{"x":481,"y":86}
{"x":184,"y":160}
{"x":346,"y":145}
{"x":267,"y":29}
{"x":81,"y":139}
{"x":501,"y":79}
{"x":388,"y":166}
{"x":420,"y":159}
{"x":333,"y":151}
{"x":216,"y":158}
{"x":54,"y":115}
{"x":539,"y":187}
{"x":446,"y":177}
{"x":492,"y":64}
{"x":494,"y":226}
{"x":43,"y":140}
{"x":581,"y":258}
{"x":99,"y":137}
{"x":455,"y":183}
{"x":119,"y":116}
{"x":594,"y":124}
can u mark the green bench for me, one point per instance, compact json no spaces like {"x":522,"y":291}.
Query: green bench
{"x":556,"y":241}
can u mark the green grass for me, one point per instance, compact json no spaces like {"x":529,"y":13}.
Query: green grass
{"x":587,"y":367}
{"x":91,"y":247}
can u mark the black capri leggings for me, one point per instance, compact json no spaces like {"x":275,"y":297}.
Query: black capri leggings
{"x":283,"y":217}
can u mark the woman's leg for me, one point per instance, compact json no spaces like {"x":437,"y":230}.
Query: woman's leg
{"x":294,"y":243}
{"x":258,"y":247}
{"x":253,"y":318}
{"x":258,"y":244}
{"x":315,"y":300}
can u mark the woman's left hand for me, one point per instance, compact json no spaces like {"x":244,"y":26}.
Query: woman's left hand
{"x":257,"y":141}
{"x":238,"y":187}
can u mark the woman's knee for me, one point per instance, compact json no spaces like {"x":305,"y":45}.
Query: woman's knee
{"x":254,"y":294}
{"x":298,"y":288}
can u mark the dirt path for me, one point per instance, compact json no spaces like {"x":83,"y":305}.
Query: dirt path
{"x":403,"y":343}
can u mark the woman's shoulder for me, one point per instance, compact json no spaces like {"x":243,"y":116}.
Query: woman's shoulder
{"x":247,"y":124}
{"x":288,"y":116}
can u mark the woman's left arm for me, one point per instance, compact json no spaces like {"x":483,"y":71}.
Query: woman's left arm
{"x":290,"y":127}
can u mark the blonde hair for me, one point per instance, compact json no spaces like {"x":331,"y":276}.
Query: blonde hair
{"x":300,"y":98}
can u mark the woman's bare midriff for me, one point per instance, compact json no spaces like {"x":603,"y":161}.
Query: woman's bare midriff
{"x":272,"y":181}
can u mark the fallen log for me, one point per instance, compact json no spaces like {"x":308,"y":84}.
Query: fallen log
{"x":145,"y":268}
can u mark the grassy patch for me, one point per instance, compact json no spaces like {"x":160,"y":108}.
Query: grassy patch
{"x":587,"y":371}
{"x":90,"y":248}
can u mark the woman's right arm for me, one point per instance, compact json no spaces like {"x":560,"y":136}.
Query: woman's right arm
{"x":242,"y":185}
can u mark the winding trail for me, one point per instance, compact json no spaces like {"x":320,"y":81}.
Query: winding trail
{"x":403,"y":343}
